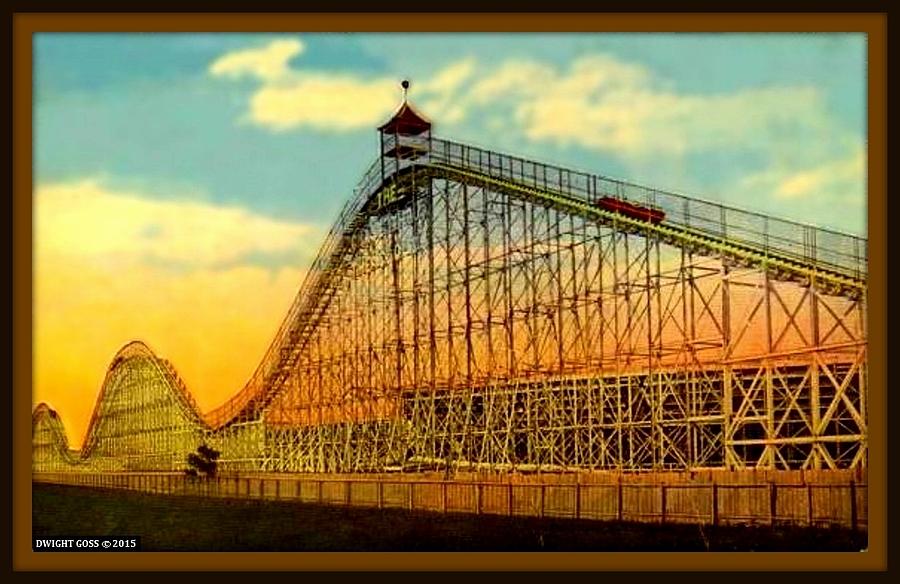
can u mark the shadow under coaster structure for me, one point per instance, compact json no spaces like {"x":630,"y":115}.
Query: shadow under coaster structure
{"x":473,"y":310}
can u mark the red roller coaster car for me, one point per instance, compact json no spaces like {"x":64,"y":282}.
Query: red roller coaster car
{"x":631,"y":210}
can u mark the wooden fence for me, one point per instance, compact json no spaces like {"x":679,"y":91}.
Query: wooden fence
{"x":708,"y":499}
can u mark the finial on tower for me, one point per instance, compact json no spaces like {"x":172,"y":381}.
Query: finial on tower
{"x":406,"y":121}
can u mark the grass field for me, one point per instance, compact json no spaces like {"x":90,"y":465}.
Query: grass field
{"x":169,"y":523}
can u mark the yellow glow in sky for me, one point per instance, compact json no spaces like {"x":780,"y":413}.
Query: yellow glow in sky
{"x":111,"y":267}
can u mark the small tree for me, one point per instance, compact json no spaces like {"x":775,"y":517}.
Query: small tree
{"x":203,"y":462}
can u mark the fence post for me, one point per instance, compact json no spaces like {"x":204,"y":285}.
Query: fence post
{"x":809,"y":504}
{"x":443,"y":496}
{"x":662,"y":503}
{"x":577,"y":500}
{"x":509,"y":500}
{"x":319,"y":491}
{"x":380,"y":494}
{"x":543,"y":496}
{"x":854,"y":520}
{"x":479,"y":493}
{"x":411,"y":495}
{"x":347,"y":492}
{"x":619,"y":500}
{"x":715,"y":503}
{"x":773,"y":503}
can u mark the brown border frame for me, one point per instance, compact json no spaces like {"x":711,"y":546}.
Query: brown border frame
{"x":25,"y":24}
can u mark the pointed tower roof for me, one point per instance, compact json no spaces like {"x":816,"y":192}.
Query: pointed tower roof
{"x":407,"y":121}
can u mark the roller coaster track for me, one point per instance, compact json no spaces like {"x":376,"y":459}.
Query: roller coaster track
{"x":830,"y":262}
{"x":161,"y":369}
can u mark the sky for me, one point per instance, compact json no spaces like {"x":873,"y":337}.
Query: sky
{"x":184,"y":182}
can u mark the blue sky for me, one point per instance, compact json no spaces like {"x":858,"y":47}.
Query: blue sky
{"x":183,"y":183}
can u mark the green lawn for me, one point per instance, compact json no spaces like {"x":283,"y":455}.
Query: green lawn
{"x":168,"y":523}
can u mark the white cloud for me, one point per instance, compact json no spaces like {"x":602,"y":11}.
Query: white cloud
{"x":451,"y":77}
{"x":841,"y":180}
{"x":842,"y":177}
{"x":87,"y":220}
{"x":324,"y":102}
{"x":641,"y":122}
{"x":269,"y":62}
{"x":289,"y":98}
{"x":602,"y":103}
